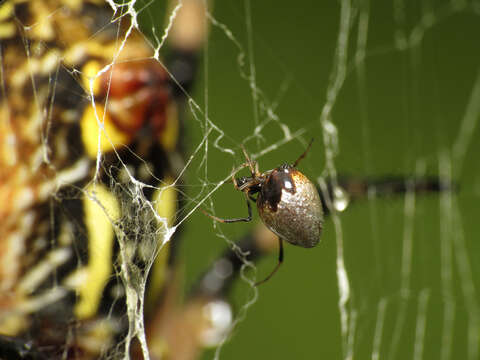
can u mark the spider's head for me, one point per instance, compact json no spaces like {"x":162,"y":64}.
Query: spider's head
{"x":242,"y":182}
{"x":250,"y":184}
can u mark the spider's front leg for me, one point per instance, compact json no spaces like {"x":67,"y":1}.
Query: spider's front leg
{"x":246,"y":219}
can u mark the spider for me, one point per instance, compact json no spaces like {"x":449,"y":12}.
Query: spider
{"x":287,"y":201}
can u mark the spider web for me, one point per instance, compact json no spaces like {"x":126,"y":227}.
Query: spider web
{"x":385,"y":89}
{"x":374,"y":82}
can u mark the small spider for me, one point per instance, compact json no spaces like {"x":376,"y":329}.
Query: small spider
{"x":287,"y":201}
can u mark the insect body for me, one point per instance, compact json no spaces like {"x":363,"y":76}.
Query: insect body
{"x":287,"y":201}
{"x":289,"y":205}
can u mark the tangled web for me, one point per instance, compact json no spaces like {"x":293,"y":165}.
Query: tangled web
{"x":387,"y":90}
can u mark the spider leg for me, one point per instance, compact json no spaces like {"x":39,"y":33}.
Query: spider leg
{"x":304,"y":154}
{"x":246,"y":219}
{"x":280,"y":262}
{"x":234,"y":181}
{"x":253,"y":165}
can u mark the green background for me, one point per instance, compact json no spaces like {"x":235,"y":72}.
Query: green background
{"x":400,"y":109}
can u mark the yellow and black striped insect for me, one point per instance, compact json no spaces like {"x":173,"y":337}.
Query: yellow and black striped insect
{"x":90,"y":140}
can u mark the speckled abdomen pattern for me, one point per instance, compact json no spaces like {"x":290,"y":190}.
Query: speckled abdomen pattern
{"x":298,"y":216}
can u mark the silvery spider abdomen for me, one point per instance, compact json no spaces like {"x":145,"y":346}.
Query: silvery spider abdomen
{"x":290,"y":206}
